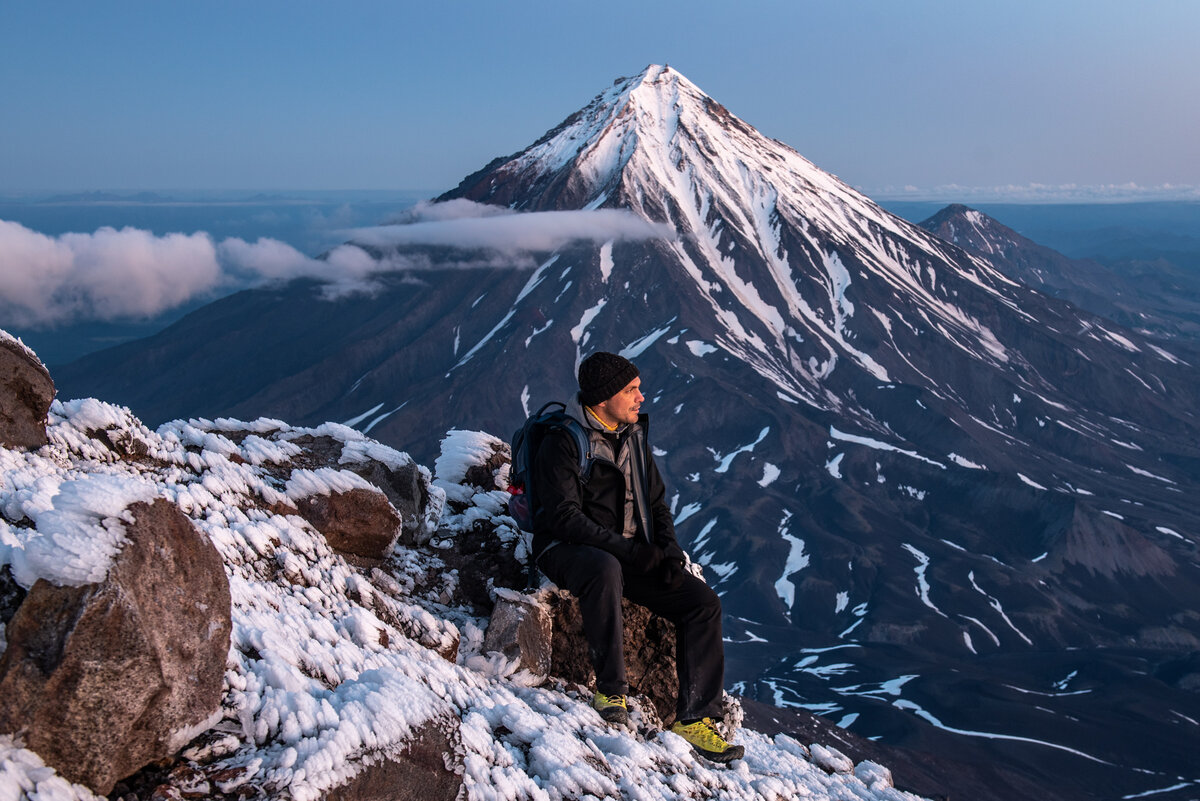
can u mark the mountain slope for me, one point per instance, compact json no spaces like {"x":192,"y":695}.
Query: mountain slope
{"x":939,"y":505}
{"x":1157,"y":300}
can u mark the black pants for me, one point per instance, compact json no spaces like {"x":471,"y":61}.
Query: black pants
{"x":598,"y":580}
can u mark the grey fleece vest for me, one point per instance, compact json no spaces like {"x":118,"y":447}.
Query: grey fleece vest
{"x":602,"y":448}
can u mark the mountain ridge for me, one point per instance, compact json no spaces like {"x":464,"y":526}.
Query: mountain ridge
{"x":1163,"y":308}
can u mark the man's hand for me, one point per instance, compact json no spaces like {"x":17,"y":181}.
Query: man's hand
{"x":646,"y":558}
{"x":672,"y":573}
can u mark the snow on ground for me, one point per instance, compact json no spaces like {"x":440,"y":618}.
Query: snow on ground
{"x":725,"y":460}
{"x":770,"y":473}
{"x":922,"y":588}
{"x":797,"y":560}
{"x":332,"y":666}
{"x":877,"y":445}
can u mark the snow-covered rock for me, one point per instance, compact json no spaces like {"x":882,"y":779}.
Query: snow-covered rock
{"x":359,"y":520}
{"x":830,"y":759}
{"x":520,"y":629}
{"x":102,"y":678}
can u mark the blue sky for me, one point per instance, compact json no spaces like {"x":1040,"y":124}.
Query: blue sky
{"x":367,"y":95}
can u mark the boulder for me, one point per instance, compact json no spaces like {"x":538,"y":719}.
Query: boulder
{"x":26,"y":391}
{"x":357,"y":521}
{"x":405,"y":487}
{"x":521,"y":629}
{"x":422,"y":772}
{"x":104,"y":678}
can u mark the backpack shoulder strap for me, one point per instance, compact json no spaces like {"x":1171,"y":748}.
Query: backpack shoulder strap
{"x":582,"y":446}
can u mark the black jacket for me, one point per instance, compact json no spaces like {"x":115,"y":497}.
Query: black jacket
{"x":593,"y":512}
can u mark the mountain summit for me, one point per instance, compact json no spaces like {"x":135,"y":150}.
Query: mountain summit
{"x":941,"y":507}
{"x":629,"y":139}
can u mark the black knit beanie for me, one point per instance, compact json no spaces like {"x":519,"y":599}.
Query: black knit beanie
{"x":603,"y":375}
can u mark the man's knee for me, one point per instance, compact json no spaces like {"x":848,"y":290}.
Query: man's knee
{"x":605,"y":571}
{"x":705,"y":602}
{"x":582,"y":569}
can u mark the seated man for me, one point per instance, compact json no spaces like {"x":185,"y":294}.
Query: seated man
{"x":611,"y":535}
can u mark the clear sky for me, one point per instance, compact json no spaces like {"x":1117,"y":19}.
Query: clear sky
{"x":369,"y":95}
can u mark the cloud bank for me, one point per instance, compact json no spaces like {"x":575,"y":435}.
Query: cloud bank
{"x":464,"y":224}
{"x":131,"y":273}
{"x":109,"y":274}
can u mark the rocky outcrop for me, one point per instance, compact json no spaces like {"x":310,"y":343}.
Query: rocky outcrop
{"x":104,"y":678}
{"x":358,"y":521}
{"x":26,"y":391}
{"x":649,"y":652}
{"x":424,"y":771}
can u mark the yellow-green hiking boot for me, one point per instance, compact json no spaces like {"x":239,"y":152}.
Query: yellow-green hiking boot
{"x":703,"y":737}
{"x":611,"y":707}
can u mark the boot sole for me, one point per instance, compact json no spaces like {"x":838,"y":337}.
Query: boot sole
{"x":722,"y":757}
{"x":614,"y":715}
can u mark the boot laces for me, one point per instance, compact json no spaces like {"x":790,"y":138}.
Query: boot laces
{"x":704,"y":734}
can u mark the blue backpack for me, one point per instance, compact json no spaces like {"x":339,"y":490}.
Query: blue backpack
{"x":525,"y":443}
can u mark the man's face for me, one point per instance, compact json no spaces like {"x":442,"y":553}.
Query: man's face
{"x":625,"y":405}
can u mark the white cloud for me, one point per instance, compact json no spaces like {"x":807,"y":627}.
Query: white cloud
{"x":456,"y":209}
{"x":104,"y":275}
{"x":463,"y":224}
{"x":132,"y":273}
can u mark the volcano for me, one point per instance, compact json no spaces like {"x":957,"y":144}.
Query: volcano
{"x":942,"y":508}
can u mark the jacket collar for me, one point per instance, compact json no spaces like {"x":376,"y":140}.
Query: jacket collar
{"x":576,"y":410}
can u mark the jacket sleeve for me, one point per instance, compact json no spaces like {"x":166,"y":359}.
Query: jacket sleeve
{"x":559,"y":506}
{"x":660,"y":513}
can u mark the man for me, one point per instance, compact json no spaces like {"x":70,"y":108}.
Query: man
{"x":611,"y":535}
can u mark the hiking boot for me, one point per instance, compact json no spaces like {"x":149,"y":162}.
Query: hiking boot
{"x":703,"y":737}
{"x":611,"y":707}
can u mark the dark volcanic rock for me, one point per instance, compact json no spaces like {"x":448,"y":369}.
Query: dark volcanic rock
{"x":12,"y":594}
{"x":425,"y":771}
{"x":358,"y":521}
{"x":101,"y":679}
{"x":26,"y":391}
{"x":406,"y":490}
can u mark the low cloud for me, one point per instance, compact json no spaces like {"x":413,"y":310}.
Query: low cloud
{"x":463,"y":224}
{"x":131,"y":273}
{"x":109,"y":274}
{"x":456,"y":209}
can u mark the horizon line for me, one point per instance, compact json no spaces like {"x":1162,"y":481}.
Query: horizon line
{"x":1033,"y":193}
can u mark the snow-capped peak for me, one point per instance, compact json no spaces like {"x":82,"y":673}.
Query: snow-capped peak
{"x":799,"y":274}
